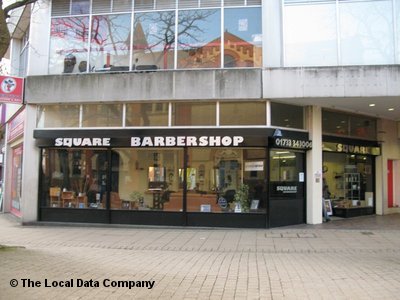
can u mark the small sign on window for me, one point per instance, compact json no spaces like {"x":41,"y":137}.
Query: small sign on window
{"x":243,"y":24}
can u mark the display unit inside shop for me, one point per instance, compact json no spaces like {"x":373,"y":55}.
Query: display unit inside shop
{"x":351,"y":187}
{"x":353,"y":199}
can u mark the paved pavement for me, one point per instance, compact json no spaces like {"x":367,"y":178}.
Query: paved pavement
{"x":344,"y":259}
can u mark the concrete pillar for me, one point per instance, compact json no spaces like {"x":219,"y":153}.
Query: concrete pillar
{"x":7,"y":166}
{"x":30,"y":171}
{"x":39,"y":39}
{"x":314,"y":166}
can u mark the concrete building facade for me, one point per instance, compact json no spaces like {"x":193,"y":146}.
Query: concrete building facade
{"x":171,"y":112}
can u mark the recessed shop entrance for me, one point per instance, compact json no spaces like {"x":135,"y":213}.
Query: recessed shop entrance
{"x":286,"y":188}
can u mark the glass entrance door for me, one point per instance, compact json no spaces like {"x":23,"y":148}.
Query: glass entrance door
{"x":286,"y":188}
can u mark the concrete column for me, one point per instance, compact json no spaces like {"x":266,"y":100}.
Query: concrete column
{"x":7,"y":163}
{"x":30,"y":171}
{"x":380,"y":184}
{"x":39,"y":39}
{"x":314,"y":166}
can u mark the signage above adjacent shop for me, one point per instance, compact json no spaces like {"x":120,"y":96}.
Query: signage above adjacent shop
{"x":289,"y":143}
{"x":11,"y":89}
{"x":351,"y":149}
{"x":16,"y":126}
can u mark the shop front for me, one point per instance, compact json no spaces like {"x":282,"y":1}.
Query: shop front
{"x":349,"y":176}
{"x":191,"y":177}
{"x":15,"y":146}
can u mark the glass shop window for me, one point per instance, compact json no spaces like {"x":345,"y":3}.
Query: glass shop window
{"x":74,"y":178}
{"x":147,"y":179}
{"x":226,"y":180}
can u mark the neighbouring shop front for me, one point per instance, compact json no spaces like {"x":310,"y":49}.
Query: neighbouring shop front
{"x":182,"y":177}
{"x":13,"y":180}
{"x":349,"y":176}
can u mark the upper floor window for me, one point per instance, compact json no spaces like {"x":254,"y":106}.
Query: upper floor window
{"x":164,"y":34}
{"x":194,"y":114}
{"x":146,"y":114}
{"x":242,"y":37}
{"x":58,"y":116}
{"x":199,"y":38}
{"x":334,"y":32}
{"x":80,"y":7}
{"x":243,"y":113}
{"x":102,"y":115}
{"x":69,"y":45}
{"x":155,"y":114}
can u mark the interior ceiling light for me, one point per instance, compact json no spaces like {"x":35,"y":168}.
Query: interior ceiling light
{"x":391,"y":109}
{"x":372,"y":104}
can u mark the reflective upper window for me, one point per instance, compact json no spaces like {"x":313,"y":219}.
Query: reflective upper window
{"x":110,"y":42}
{"x":199,"y":38}
{"x":148,"y":35}
{"x":154,"y":40}
{"x":310,"y":35}
{"x":366,"y":32}
{"x":333,"y":32}
{"x":242,"y":38}
{"x":80,"y":7}
{"x":68,"y":45}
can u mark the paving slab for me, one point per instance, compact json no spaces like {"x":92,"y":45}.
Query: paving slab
{"x":342,"y":259}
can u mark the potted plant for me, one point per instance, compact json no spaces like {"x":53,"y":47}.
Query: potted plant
{"x":241,"y":198}
{"x":137,"y":199}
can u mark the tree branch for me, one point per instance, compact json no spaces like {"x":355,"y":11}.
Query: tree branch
{"x":16,"y":5}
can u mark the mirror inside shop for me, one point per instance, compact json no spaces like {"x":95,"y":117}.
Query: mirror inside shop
{"x":348,"y":180}
{"x":215,"y":180}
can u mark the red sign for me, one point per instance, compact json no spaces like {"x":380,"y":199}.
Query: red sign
{"x":16,"y":126}
{"x":11,"y":89}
